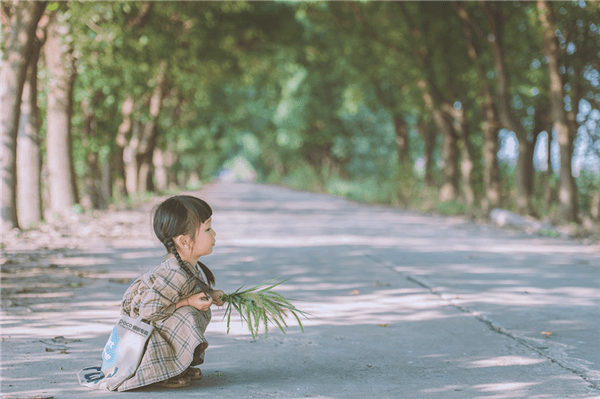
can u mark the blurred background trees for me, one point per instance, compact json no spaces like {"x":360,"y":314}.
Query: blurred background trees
{"x":458,"y":107}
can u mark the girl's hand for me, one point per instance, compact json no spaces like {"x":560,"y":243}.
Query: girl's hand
{"x":217,"y":294}
{"x":200,"y":301}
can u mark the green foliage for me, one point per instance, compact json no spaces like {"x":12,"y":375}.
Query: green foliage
{"x":303,"y":177}
{"x":77,"y":208}
{"x":507,"y":186}
{"x":308,"y":92}
{"x":588,"y":184}
{"x":450,"y":208}
{"x":548,"y":233}
{"x":261,"y":306}
{"x":363,"y":190}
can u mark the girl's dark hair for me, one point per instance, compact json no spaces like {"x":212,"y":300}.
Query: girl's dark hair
{"x":179,"y":215}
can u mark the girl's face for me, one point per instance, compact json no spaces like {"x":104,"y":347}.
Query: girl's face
{"x":204,"y":241}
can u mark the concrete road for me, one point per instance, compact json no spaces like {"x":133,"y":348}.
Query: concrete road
{"x":403,"y":305}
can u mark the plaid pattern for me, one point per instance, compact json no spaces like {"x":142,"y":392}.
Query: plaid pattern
{"x":177,"y":341}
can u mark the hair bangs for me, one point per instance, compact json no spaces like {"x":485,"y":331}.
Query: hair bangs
{"x":198,"y":212}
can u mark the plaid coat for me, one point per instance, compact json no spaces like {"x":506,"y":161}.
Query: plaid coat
{"x":177,"y":341}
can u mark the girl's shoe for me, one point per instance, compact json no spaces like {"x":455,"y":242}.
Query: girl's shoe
{"x":181,"y":381}
{"x":193,"y":373}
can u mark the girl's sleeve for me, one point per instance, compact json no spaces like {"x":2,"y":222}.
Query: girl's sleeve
{"x":165,"y":289}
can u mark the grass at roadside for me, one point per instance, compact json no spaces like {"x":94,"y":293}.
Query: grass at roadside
{"x":404,"y":189}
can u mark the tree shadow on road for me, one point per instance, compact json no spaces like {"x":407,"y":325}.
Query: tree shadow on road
{"x":373,"y":329}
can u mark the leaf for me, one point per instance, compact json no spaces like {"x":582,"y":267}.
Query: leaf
{"x":260,"y":305}
{"x":546,"y":333}
{"x":354,"y":292}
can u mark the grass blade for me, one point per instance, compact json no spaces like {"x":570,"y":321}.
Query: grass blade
{"x":261,"y":305}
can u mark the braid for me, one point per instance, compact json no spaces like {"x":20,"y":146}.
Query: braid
{"x":210,"y":277}
{"x":170,"y":245}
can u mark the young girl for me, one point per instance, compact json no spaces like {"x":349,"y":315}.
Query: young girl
{"x":176,"y":296}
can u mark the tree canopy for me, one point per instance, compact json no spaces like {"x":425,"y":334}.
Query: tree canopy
{"x":402,"y":102}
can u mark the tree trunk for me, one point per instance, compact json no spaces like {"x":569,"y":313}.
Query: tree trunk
{"x":507,"y":119}
{"x":106,"y":185}
{"x":524,"y":176}
{"x":428,"y":136}
{"x":461,"y":130}
{"x":130,"y":161}
{"x":29,"y":160}
{"x":490,"y":124}
{"x":159,"y":159}
{"x":530,"y":176}
{"x":449,"y":189}
{"x":433,"y":100}
{"x":576,"y":94}
{"x":61,"y":71}
{"x":119,"y":179}
{"x":92,"y":179}
{"x":150,"y":132}
{"x":595,"y":205}
{"x":122,"y":139}
{"x":19,"y":33}
{"x":170,"y":162}
{"x":567,"y":192}
{"x":145,"y":172}
{"x":550,"y":193}
{"x":466,"y":167}
{"x":402,"y":140}
{"x":491,"y":171}
{"x":137,"y":155}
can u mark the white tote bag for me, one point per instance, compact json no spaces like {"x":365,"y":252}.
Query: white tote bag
{"x":121,"y":356}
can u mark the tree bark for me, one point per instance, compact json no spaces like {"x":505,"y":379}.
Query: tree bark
{"x":29,"y":160}
{"x":461,"y":130}
{"x":466,"y":169}
{"x":567,"y":192}
{"x":400,"y":128}
{"x":119,"y":179}
{"x":434,"y":101}
{"x":106,"y":184}
{"x":402,"y":140}
{"x":19,"y":27}
{"x":159,"y":159}
{"x":449,"y":189}
{"x":595,"y":205}
{"x":92,"y":180}
{"x":146,"y":168}
{"x":150,"y":132}
{"x":530,"y":176}
{"x":507,"y":119}
{"x":491,"y":170}
{"x":524,"y":176}
{"x":170,"y":162}
{"x":61,"y":69}
{"x":550,"y":194}
{"x":428,"y":136}
{"x":122,"y":139}
{"x":490,"y":124}
{"x":137,"y":155}
{"x":130,"y":165}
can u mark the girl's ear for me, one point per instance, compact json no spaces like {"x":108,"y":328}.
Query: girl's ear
{"x":182,"y":241}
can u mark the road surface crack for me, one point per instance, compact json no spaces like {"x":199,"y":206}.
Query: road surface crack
{"x":494,"y":326}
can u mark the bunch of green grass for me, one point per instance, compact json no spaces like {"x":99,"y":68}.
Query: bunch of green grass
{"x":261,"y":306}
